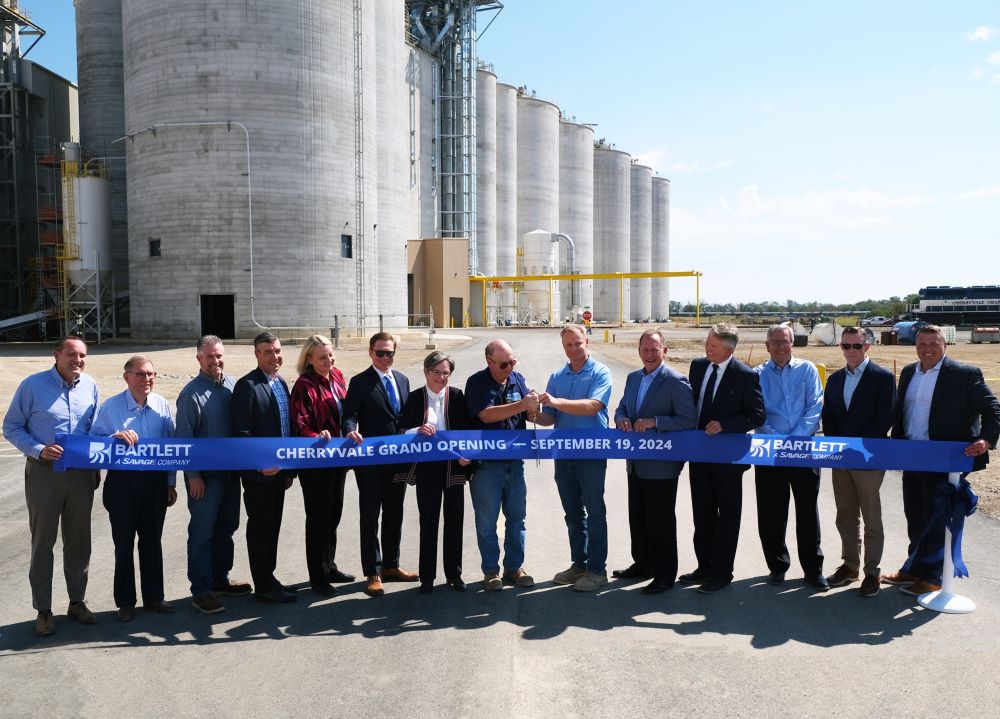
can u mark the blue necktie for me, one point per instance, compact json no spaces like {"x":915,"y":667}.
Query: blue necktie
{"x":391,"y":391}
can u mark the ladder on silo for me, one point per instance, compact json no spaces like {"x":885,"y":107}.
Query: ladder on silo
{"x":359,"y":166}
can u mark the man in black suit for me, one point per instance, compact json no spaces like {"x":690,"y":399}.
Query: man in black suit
{"x":260,"y":408}
{"x":728,"y":398}
{"x":373,"y":408}
{"x":858,"y":403}
{"x":940,"y":399}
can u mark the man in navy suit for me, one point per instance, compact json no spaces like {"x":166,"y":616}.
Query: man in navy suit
{"x":858,"y":403}
{"x":728,"y":398}
{"x":260,"y":408}
{"x":940,"y":399}
{"x":658,"y":398}
{"x":373,"y":408}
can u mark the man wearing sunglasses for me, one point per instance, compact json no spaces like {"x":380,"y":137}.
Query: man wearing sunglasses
{"x":373,"y":408}
{"x":577,"y":397}
{"x":499,"y":398}
{"x":858,"y":403}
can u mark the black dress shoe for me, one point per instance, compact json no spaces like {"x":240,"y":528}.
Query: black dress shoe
{"x":323,"y":588}
{"x":696,"y":577}
{"x":426,"y":587}
{"x":632,"y":572}
{"x":657,"y":586}
{"x":714,"y":585}
{"x":338,"y":577}
{"x":819,"y":581}
{"x":457,"y":584}
{"x":776,"y":577}
{"x":275,"y":595}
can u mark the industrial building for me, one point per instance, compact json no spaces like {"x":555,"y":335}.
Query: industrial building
{"x":323,"y":174}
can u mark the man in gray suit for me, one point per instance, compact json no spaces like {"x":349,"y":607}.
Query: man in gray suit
{"x":656,"y":398}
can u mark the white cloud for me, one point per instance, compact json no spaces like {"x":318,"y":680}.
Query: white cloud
{"x":981,"y":34}
{"x":980,"y":193}
{"x":994,"y":58}
{"x":660,"y":159}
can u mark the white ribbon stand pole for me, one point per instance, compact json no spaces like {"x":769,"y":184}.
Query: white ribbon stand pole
{"x":945,"y":600}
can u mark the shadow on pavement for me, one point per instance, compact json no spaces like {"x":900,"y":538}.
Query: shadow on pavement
{"x":769,"y":615}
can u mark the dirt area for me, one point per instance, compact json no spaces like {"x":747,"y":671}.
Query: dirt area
{"x":684,"y":348}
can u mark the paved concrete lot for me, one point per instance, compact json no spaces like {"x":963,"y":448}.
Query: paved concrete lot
{"x":752,"y":650}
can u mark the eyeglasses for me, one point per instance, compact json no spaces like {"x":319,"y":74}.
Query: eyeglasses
{"x":443,"y":374}
{"x":147,"y":375}
{"x":852,"y":346}
{"x":504,"y":365}
{"x":385,"y":354}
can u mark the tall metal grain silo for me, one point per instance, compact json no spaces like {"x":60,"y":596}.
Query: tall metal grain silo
{"x":640,"y":239}
{"x":422,"y":73}
{"x":506,"y":183}
{"x":486,"y":186}
{"x":392,"y":100}
{"x":611,"y":231}
{"x":102,"y":110}
{"x":211,"y":246}
{"x":576,"y":209}
{"x":537,"y":167}
{"x":660,"y":301}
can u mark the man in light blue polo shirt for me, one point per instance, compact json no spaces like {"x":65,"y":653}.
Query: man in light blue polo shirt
{"x":577,"y":397}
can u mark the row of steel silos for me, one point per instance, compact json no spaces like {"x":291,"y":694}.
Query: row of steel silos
{"x":537,"y":170}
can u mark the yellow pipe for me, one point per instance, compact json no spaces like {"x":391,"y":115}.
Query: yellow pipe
{"x":621,"y":301}
{"x":486,"y":319}
{"x":697,"y":300}
{"x":550,"y":302}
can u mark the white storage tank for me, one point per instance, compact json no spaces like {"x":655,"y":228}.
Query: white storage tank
{"x":91,"y":203}
{"x":486,"y":189}
{"x":188,"y":187}
{"x":506,"y":184}
{"x":540,"y":257}
{"x":660,"y":251}
{"x":102,"y":110}
{"x":640,"y":239}
{"x":537,"y":167}
{"x":576,"y":211}
{"x":611,"y":231}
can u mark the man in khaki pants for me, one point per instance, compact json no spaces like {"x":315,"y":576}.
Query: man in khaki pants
{"x":858,"y":403}
{"x":61,"y":400}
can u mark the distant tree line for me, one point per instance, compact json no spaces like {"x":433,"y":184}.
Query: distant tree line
{"x":892,"y":307}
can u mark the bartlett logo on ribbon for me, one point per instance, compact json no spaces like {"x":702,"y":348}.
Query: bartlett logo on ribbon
{"x":760,"y":448}
{"x":100,"y":453}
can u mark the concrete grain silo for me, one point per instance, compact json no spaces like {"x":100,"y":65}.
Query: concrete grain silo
{"x":576,"y":209}
{"x":193,"y":80}
{"x":422,"y":71}
{"x":102,"y":111}
{"x":486,"y":183}
{"x":640,"y":239}
{"x":660,"y":301}
{"x":392,"y":171}
{"x":506,"y":184}
{"x":611,"y":231}
{"x":537,"y":168}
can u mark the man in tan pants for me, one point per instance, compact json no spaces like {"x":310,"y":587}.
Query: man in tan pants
{"x":61,"y":400}
{"x":858,"y":403}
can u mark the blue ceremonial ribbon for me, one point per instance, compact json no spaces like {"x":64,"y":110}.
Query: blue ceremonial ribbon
{"x":686,"y":446}
{"x":951,"y":506}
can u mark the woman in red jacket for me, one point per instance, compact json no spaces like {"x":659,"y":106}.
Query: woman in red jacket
{"x":316,"y":409}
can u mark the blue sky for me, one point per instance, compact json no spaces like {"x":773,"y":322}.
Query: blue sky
{"x":816,"y":151}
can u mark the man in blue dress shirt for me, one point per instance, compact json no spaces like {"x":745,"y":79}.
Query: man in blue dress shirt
{"x":793,"y":402}
{"x":61,"y":400}
{"x":136,"y":500}
{"x":577,"y":397}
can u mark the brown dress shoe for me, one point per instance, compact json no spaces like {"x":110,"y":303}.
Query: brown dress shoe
{"x":921,"y":587}
{"x":899,"y":578}
{"x":395,"y":574}
{"x":45,"y":623}
{"x":842,"y":577}
{"x":81,"y":613}
{"x":869,"y":587}
{"x":374,"y":586}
